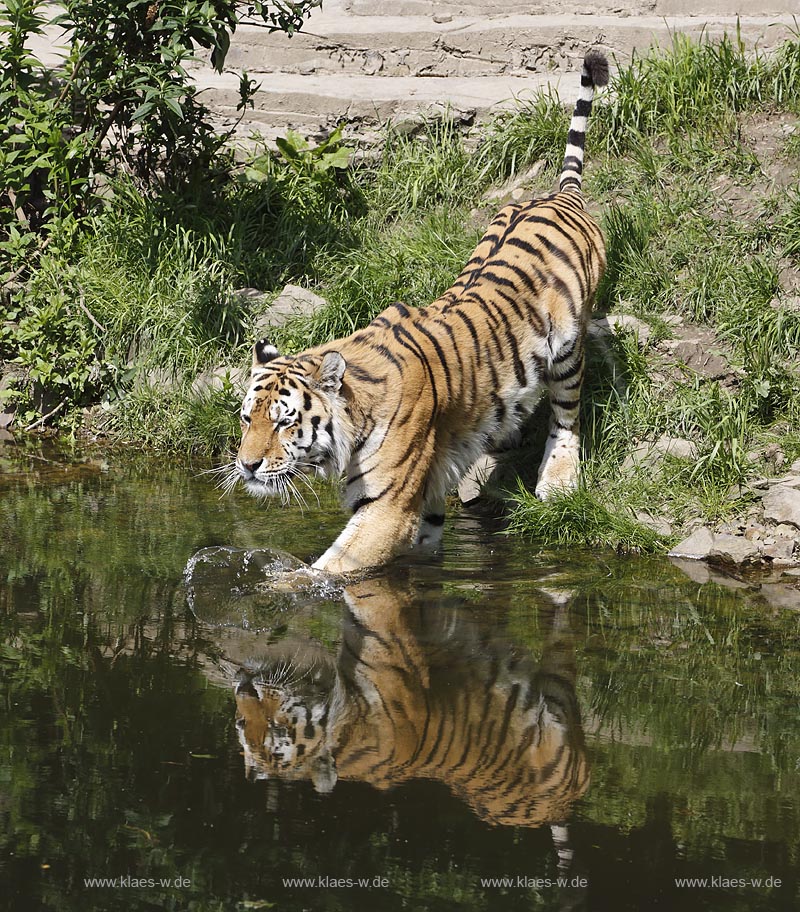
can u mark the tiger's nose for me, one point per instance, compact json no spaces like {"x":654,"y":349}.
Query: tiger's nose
{"x":252,"y":467}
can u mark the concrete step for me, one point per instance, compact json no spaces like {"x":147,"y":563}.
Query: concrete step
{"x":316,"y":103}
{"x":441,"y":9}
{"x":353,"y":62}
{"x":510,"y":45}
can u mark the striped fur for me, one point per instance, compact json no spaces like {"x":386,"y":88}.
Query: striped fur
{"x":594,"y":73}
{"x":405,"y":405}
{"x":424,"y":691}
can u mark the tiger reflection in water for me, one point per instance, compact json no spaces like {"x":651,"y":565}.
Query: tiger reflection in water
{"x":422,"y":691}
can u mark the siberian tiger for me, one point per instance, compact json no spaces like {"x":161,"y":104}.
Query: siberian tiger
{"x":406,"y":405}
{"x":421,"y":690}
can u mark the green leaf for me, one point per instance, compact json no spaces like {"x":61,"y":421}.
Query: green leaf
{"x":338,"y":159}
{"x":286,"y":149}
{"x":220,"y":52}
{"x":297,"y":141}
{"x":142,"y":111}
{"x":174,"y":105}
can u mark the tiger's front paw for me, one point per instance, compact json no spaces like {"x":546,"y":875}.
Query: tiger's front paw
{"x":560,"y":476}
{"x":301,"y":580}
{"x":559,"y":471}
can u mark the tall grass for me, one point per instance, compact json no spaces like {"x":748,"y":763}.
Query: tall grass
{"x":420,"y":172}
{"x":695,"y":86}
{"x":536,"y":131}
{"x":580,"y":519}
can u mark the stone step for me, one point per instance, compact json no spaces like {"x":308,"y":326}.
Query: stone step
{"x":316,"y":103}
{"x":510,"y":45}
{"x":352,"y":62}
{"x":441,"y":9}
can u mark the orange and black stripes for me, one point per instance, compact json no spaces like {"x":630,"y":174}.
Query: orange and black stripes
{"x":408,"y":402}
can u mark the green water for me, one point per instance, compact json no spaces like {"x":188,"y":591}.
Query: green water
{"x":489,"y":712}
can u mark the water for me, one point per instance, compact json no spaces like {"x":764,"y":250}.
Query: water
{"x":492,"y":712}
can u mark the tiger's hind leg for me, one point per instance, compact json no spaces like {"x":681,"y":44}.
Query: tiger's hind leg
{"x":560,"y":464}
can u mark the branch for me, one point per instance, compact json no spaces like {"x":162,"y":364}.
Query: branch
{"x":9,"y":282}
{"x":108,"y":122}
{"x":44,"y":418}
{"x":88,"y":313}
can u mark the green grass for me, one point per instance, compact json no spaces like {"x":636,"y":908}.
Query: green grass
{"x":694,"y":226}
{"x":580,"y":519}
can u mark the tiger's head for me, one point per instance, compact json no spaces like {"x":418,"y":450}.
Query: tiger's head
{"x":294,"y":420}
{"x":282,"y":719}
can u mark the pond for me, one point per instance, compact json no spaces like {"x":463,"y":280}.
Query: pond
{"x":493,"y":727}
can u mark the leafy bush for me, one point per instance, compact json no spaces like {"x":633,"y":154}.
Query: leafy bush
{"x":122,"y":100}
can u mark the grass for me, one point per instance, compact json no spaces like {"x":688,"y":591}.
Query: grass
{"x":579,"y":518}
{"x":700,"y":225}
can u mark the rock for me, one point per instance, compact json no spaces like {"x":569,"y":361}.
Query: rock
{"x":731,"y":528}
{"x":406,"y":124}
{"x":774,"y":454}
{"x":605,"y":326}
{"x":291,"y":303}
{"x":780,"y":550}
{"x":157,"y":378}
{"x":6,"y":419}
{"x":788,"y":277}
{"x":735,"y":492}
{"x":447,"y":113}
{"x":733,"y":549}
{"x":649,"y":454}
{"x":440,"y":18}
{"x":781,"y":595}
{"x":657,"y":523}
{"x":699,"y":355}
{"x":6,"y":436}
{"x":696,"y":547}
{"x":784,"y":530}
{"x":249,"y":295}
{"x":782,"y":505}
{"x":476,"y":476}
{"x":791,"y":481}
{"x":373,"y":63}
{"x":515,"y":184}
{"x":216,"y":378}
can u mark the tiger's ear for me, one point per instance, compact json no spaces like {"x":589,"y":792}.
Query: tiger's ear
{"x":263,"y":352}
{"x":330,"y":372}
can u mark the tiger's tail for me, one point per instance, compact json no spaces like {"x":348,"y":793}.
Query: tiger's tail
{"x":594,"y":74}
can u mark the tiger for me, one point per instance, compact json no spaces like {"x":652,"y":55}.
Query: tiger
{"x":405,"y":405}
{"x":421,"y":690}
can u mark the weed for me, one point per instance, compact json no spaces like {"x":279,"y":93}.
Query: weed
{"x":578,"y":518}
{"x":421,"y":172}
{"x":790,"y":226}
{"x":519,"y":138}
